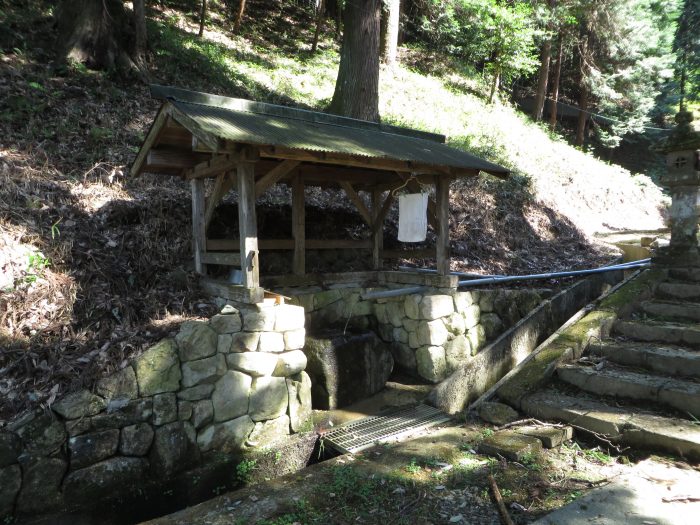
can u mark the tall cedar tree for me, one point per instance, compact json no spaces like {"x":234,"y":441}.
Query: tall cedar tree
{"x":392,"y":9}
{"x":543,"y":74}
{"x":686,"y":45}
{"x":357,"y":86}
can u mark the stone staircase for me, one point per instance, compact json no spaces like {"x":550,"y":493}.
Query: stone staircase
{"x":640,"y":386}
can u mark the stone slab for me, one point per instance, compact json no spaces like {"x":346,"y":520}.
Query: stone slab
{"x":662,"y":358}
{"x":550,"y":436}
{"x":510,"y":444}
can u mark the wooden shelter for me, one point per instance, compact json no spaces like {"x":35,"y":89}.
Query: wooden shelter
{"x":252,"y":146}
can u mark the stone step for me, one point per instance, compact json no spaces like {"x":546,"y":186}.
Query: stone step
{"x":611,"y":380}
{"x":672,"y":310}
{"x":637,"y":428}
{"x":685,"y":274}
{"x":678,"y":291}
{"x":670,"y":333}
{"x":663,"y":359}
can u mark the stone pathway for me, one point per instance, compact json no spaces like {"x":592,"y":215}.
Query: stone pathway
{"x":641,"y":386}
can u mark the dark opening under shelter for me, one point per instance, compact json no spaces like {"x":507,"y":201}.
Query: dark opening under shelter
{"x":250,"y":146}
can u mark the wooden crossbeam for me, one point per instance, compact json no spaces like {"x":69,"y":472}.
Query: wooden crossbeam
{"x":172,"y":158}
{"x":379,"y":220}
{"x":274,"y":175}
{"x":224,"y":182}
{"x":233,"y":245}
{"x":357,"y":201}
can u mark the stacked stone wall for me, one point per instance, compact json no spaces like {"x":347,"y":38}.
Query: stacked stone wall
{"x":218,"y":387}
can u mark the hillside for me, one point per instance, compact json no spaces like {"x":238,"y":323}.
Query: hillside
{"x":93,"y":265}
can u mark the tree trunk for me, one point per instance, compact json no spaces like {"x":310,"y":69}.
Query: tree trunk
{"x":543,"y":75}
{"x":555,"y":85}
{"x":202,"y":18}
{"x":140,"y":34}
{"x":239,"y":16}
{"x":95,"y":33}
{"x":494,"y":85}
{"x":320,"y":8}
{"x":391,"y":37}
{"x":357,"y":86}
{"x":582,"y":115}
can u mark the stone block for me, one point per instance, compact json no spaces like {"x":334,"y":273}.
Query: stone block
{"x":395,"y":313}
{"x":136,"y":411}
{"x":457,"y":352}
{"x":411,"y":306}
{"x":226,"y":324}
{"x":196,"y":393}
{"x":244,"y":342}
{"x":414,"y":340}
{"x":432,"y":333}
{"x":79,"y":404}
{"x":527,"y":300}
{"x":43,"y":435}
{"x":550,"y":436}
{"x":510,"y":445}
{"x":299,"y":392}
{"x":158,"y":369}
{"x":464,"y":300}
{"x":202,"y":413}
{"x":174,"y":448}
{"x":269,"y":432}
{"x":136,"y":439}
{"x":404,"y":356}
{"x":206,"y":370}
{"x":386,"y":332}
{"x":290,"y":363}
{"x":184,"y":410}
{"x":497,"y":413}
{"x":305,"y":301}
{"x":399,"y":335}
{"x":10,"y":447}
{"x":436,"y":306}
{"x":231,"y":395}
{"x":256,"y":364}
{"x":472,"y":315}
{"x":271,"y":342}
{"x":225,"y":437}
{"x":196,"y":340}
{"x":268,"y":398}
{"x":41,"y":483}
{"x":225,"y":341}
{"x":325,"y":298}
{"x":493,"y":326}
{"x":119,"y":385}
{"x":164,"y":409}
{"x":455,"y":324}
{"x":91,"y":448}
{"x":486,"y":301}
{"x":261,"y":320}
{"x":410,"y":325}
{"x":10,"y":483}
{"x":477,"y":338}
{"x":361,"y":308}
{"x":103,"y":480}
{"x":380,"y":313}
{"x":289,"y":317}
{"x":431,"y":363}
{"x":294,"y":339}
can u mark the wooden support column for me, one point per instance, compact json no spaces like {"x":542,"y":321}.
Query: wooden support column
{"x":199,"y":246}
{"x":377,"y":228}
{"x":248,"y":225}
{"x":442,"y":195}
{"x":299,"y":225}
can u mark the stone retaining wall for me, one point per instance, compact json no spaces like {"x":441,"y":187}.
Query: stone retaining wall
{"x":218,"y":387}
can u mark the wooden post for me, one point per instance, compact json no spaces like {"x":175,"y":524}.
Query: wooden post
{"x":377,"y":229}
{"x":442,"y":195}
{"x":199,"y":240}
{"x":299,"y":225}
{"x":248,"y":225}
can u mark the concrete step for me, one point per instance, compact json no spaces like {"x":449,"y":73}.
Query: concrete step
{"x":672,"y":310}
{"x":678,"y":291}
{"x":632,"y":427}
{"x":611,"y":380}
{"x":663,"y":359}
{"x":685,"y":274}
{"x":670,"y":333}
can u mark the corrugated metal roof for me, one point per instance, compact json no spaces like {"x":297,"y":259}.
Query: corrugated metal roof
{"x":243,"y":121}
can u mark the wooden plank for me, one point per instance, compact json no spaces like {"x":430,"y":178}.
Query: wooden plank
{"x":361,"y":278}
{"x":378,"y":228}
{"x":274,"y":175}
{"x":420,"y":253}
{"x":233,"y":245}
{"x":442,"y":193}
{"x":219,"y":163}
{"x":248,"y":225}
{"x":357,"y":201}
{"x":223,"y":258}
{"x":151,"y":137}
{"x":299,"y":226}
{"x":172,"y":158}
{"x":232,"y":292}
{"x":224,"y":182}
{"x":426,"y":279}
{"x":198,"y":226}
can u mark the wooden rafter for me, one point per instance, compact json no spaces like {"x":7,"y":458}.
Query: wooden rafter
{"x":224,"y":182}
{"x":274,"y":175}
{"x":151,"y":138}
{"x":357,"y":201}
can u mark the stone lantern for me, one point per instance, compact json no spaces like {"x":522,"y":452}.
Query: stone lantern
{"x":682,"y":179}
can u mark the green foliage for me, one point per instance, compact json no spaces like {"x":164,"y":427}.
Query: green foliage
{"x":686,"y":45}
{"x":244,"y":470}
{"x":36,"y":264}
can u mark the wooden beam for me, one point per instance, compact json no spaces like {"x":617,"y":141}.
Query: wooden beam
{"x":420,"y":253}
{"x":232,"y":292}
{"x":442,"y":193}
{"x":223,"y":258}
{"x":233,"y":245}
{"x":248,"y":225}
{"x":172,"y":158}
{"x":274,"y":175}
{"x":360,"y":279}
{"x":299,"y":226}
{"x":224,"y":182}
{"x":379,"y":221}
{"x":357,"y":201}
{"x":151,"y":137}
{"x":212,"y":167}
{"x":378,"y":228}
{"x":198,"y":226}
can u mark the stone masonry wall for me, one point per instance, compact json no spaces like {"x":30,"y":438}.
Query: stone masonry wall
{"x":234,"y":382}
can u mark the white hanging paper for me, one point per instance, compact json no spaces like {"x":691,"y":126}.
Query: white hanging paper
{"x":413,"y":217}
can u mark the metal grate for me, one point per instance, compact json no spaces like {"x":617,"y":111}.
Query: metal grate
{"x":359,"y":435}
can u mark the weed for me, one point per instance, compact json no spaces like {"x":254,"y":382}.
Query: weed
{"x":595,"y":454}
{"x":244,"y":470}
{"x":413,"y":467}
{"x":36,"y":264}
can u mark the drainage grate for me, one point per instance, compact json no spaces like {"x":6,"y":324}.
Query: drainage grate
{"x":359,"y":435}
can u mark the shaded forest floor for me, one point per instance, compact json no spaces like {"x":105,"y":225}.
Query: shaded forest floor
{"x":95,"y":266}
